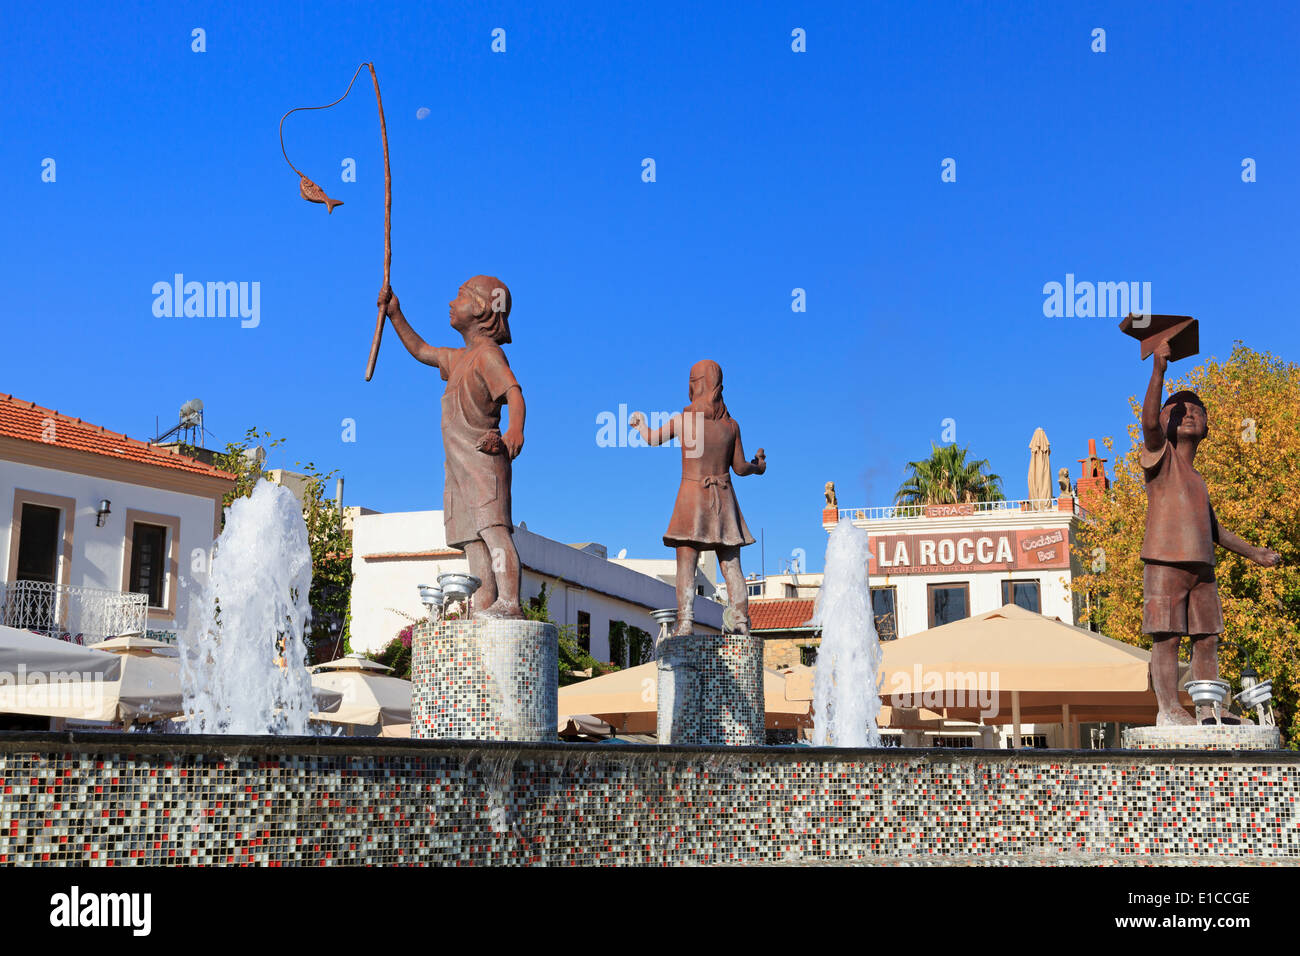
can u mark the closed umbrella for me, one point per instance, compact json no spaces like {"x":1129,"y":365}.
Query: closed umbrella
{"x":1040,"y":468}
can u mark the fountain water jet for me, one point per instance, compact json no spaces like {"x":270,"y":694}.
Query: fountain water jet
{"x":846,"y":692}
{"x":243,"y":664}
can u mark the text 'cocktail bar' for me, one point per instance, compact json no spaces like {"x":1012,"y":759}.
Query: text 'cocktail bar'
{"x":932,"y":564}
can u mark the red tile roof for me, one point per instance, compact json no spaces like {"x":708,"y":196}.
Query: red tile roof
{"x":779,"y":614}
{"x":27,"y":421}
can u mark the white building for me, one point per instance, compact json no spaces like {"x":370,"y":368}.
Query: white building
{"x":392,"y":554}
{"x":933,"y":564}
{"x":665,"y":569}
{"x":98,"y":532}
{"x":788,"y":584}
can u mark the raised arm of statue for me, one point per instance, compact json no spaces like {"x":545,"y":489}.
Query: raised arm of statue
{"x":421,"y":350}
{"x":1153,"y":436}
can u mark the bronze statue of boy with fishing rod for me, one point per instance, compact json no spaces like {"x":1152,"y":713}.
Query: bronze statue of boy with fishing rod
{"x":476,"y":490}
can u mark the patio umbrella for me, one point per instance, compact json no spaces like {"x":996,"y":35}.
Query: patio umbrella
{"x":368,"y":696}
{"x":133,"y":642}
{"x":144,"y":689}
{"x":628,"y":700}
{"x":29,"y":658}
{"x":1045,"y":671}
{"x":1040,"y":468}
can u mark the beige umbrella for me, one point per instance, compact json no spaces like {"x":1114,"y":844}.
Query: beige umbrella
{"x":368,"y":696}
{"x":136,"y":644}
{"x":628,"y":700}
{"x":30,"y":658}
{"x":396,"y":730}
{"x":151,"y":686}
{"x":800,"y":681}
{"x":146,"y":689}
{"x":1040,"y":468}
{"x":1024,"y":667}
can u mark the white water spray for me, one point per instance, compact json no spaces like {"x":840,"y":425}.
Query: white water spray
{"x":243,"y":664}
{"x":846,"y":692}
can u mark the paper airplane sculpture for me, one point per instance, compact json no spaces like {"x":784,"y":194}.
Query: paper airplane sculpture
{"x":1180,"y":331}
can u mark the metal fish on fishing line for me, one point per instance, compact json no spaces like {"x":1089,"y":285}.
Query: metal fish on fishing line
{"x":313,"y":193}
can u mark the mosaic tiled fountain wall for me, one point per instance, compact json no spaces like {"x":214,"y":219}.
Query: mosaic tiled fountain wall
{"x":153,"y":799}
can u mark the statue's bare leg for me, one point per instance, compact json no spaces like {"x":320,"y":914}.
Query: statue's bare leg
{"x":737,"y":591}
{"x":687,"y":558}
{"x":1205,"y":666}
{"x":500,"y":577}
{"x":1164,"y":678}
{"x":480,"y":565}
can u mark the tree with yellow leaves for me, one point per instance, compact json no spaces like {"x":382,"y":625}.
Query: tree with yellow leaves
{"x":1250,"y":461}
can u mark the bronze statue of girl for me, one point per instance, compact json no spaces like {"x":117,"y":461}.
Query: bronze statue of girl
{"x":706,"y":516}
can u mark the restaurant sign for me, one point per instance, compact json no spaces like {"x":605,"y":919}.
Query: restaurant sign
{"x":972,"y":551}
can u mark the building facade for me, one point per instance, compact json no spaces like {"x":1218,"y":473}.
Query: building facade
{"x":99,"y":533}
{"x":393,"y":554}
{"x":930,"y":565}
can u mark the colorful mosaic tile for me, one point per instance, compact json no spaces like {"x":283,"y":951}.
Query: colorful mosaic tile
{"x":710,"y":690}
{"x":1203,"y":737}
{"x":111,"y":799}
{"x":484,"y":680}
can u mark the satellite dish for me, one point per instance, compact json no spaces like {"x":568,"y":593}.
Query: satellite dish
{"x":622,"y":553}
{"x":196,"y":404}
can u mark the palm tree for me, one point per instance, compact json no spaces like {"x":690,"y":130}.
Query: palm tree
{"x":947,"y":478}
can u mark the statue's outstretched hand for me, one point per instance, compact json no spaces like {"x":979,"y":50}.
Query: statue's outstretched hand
{"x":388,"y":301}
{"x":760,"y":462}
{"x":1267,"y":558}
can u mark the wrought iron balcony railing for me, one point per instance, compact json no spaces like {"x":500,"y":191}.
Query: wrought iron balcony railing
{"x":82,"y":615}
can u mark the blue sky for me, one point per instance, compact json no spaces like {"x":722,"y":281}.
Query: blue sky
{"x":775,"y":170}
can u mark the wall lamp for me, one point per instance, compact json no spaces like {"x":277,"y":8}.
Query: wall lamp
{"x":102,"y":513}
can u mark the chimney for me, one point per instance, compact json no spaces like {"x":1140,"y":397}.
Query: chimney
{"x":1092,"y":483}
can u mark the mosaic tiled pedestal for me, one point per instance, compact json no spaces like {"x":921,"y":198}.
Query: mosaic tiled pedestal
{"x":97,"y":799}
{"x":711,"y":690}
{"x":1203,"y":737}
{"x":484,"y":680}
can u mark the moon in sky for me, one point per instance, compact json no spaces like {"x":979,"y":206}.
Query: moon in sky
{"x":422,"y":112}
